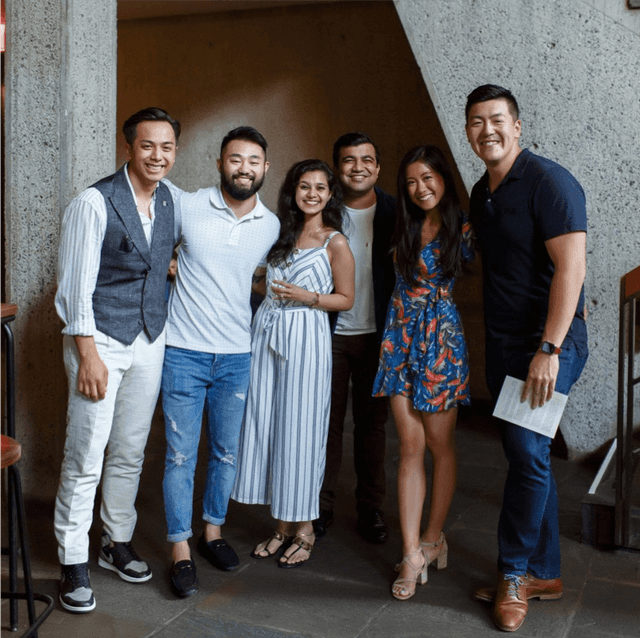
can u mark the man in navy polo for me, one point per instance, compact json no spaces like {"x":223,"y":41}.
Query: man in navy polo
{"x":529,"y":217}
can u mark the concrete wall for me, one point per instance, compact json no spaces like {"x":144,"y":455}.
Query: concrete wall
{"x":573,"y":66}
{"x":60,"y":116}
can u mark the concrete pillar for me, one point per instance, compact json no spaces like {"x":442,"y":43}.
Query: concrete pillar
{"x":60,"y":79}
{"x":573,"y":67}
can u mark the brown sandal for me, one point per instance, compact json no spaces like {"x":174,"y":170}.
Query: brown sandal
{"x":302,"y":544}
{"x":262,"y":547}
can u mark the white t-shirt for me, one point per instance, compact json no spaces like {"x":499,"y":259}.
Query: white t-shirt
{"x":209,"y":308}
{"x":361,"y":319}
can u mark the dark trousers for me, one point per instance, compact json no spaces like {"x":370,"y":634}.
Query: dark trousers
{"x":528,"y":530}
{"x":355,"y":358}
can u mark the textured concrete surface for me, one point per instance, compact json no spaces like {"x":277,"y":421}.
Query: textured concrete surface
{"x":344,"y":590}
{"x":573,"y":66}
{"x":60,"y":117}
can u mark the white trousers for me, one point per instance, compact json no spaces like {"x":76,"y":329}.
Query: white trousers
{"x":107,"y":438}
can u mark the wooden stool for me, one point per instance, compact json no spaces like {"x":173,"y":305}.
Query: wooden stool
{"x":11,"y":453}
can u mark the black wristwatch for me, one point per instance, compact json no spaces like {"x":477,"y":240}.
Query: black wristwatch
{"x":549,"y":348}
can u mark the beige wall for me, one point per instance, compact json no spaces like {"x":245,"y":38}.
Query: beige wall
{"x":302,"y":75}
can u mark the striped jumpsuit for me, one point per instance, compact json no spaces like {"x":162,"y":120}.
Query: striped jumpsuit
{"x":282,"y":450}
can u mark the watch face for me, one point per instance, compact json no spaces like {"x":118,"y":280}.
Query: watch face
{"x":549,"y":348}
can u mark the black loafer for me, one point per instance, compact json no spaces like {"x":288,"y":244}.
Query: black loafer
{"x":219,"y":553}
{"x":320,"y":524}
{"x":182,"y":576}
{"x":372,"y":527}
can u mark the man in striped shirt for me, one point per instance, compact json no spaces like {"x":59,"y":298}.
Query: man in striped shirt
{"x":115,"y":247}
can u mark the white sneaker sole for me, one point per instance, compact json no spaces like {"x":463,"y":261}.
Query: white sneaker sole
{"x":77,"y":610}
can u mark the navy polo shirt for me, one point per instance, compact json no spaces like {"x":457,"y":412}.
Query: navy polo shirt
{"x":536,"y":201}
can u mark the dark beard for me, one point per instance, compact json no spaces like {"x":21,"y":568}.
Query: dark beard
{"x":237,"y":193}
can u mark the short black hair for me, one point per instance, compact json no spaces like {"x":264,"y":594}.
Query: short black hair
{"x":151,"y":114}
{"x":352,"y":139}
{"x":488,"y":92}
{"x":246,"y":133}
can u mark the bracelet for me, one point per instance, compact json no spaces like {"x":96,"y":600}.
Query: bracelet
{"x":315,"y":301}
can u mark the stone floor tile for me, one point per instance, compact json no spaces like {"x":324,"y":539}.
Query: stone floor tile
{"x":100,"y":623}
{"x":296,"y":601}
{"x":622,"y":566}
{"x":610,"y":607}
{"x":196,"y":625}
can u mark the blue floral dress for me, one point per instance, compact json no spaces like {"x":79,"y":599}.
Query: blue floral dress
{"x":423,"y":353}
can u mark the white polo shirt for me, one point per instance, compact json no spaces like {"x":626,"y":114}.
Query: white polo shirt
{"x":209,"y":308}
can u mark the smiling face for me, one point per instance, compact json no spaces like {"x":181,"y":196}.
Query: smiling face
{"x":152,"y":154}
{"x":242,"y":167}
{"x":358,"y":169}
{"x":493,"y":132}
{"x":425,"y":187}
{"x":313,"y":192}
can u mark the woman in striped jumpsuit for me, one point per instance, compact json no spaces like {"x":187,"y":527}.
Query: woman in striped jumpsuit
{"x":283,"y":443}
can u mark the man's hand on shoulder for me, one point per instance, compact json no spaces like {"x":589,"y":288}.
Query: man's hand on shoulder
{"x":93,"y":374}
{"x":541,"y":380}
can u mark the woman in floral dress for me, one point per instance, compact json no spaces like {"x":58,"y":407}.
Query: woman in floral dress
{"x":423,"y":359}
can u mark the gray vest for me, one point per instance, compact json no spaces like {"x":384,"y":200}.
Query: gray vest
{"x":130,"y":290}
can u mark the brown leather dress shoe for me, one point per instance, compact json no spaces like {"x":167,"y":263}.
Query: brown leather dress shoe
{"x":511,"y":605}
{"x":550,"y":589}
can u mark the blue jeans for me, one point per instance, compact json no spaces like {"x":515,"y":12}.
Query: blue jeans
{"x":528,"y":531}
{"x":192,"y":380}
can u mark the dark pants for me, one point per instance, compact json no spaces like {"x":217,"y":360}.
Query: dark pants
{"x":356,"y":358}
{"x":528,"y":533}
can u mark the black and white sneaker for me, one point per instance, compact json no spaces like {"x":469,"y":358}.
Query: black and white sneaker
{"x":76,"y":594}
{"x":122,"y":559}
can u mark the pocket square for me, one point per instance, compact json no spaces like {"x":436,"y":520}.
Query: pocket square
{"x":126,"y":245}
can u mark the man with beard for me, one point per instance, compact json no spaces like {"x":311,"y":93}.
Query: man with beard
{"x":225,"y":233}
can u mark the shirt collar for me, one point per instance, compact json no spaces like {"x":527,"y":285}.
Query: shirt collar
{"x":133,"y":192}
{"x":515,"y":172}
{"x":519,"y":165}
{"x":217,"y":201}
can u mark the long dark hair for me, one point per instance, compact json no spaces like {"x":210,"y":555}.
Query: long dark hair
{"x":292,"y":218}
{"x":409,"y":218}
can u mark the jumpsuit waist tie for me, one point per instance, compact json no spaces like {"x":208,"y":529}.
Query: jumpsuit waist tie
{"x":275,"y":324}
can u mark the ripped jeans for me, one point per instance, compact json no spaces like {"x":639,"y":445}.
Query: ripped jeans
{"x":191,"y":381}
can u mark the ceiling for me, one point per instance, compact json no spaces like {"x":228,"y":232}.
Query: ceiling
{"x":136,"y":9}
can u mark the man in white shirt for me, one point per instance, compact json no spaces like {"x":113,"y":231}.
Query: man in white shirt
{"x":225,"y":233}
{"x":369,"y":223}
{"x":115,"y":247}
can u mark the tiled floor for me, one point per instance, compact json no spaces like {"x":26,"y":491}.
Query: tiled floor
{"x":343,"y":592}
